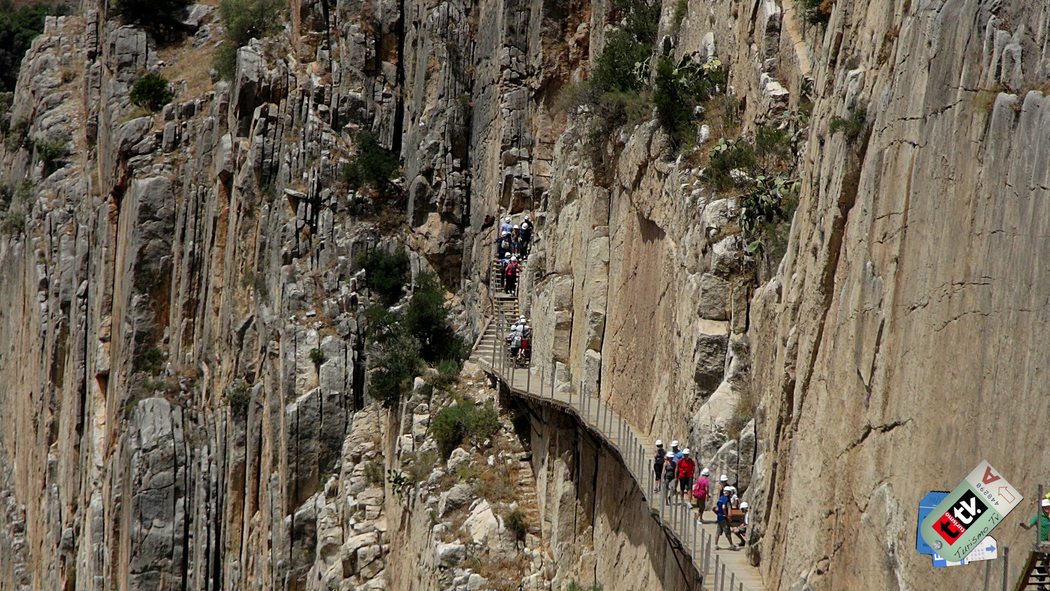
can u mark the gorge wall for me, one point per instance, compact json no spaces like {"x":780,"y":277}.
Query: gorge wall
{"x":164,"y":423}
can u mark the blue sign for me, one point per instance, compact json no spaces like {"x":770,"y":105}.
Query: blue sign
{"x":931,"y":500}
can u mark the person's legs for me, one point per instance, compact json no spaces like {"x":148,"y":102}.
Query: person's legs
{"x":740,"y":532}
{"x":723,"y":528}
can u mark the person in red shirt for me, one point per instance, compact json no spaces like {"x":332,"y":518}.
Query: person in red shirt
{"x":700,"y":490}
{"x":686,"y":469}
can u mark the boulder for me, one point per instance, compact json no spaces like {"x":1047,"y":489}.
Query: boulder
{"x":459,"y":457}
{"x":454,"y":498}
{"x":483,"y":525}
{"x":708,"y":424}
{"x":450,"y":554}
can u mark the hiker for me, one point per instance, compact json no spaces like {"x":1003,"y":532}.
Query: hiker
{"x":741,"y":530}
{"x":512,"y":275}
{"x":515,"y":239}
{"x":1043,"y":516}
{"x":700,"y":493}
{"x":503,"y":245}
{"x":658,"y":464}
{"x":515,"y":343}
{"x":686,"y":469}
{"x":734,"y":499}
{"x":526,"y":235}
{"x":669,"y":472}
{"x":523,"y":328}
{"x":722,"y":516}
{"x":723,"y":482}
{"x":677,"y":454}
{"x":505,"y":227}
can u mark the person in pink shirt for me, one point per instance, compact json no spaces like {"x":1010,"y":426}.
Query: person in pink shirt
{"x":700,"y":493}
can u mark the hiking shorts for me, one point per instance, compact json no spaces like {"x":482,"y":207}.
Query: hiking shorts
{"x":723,"y":527}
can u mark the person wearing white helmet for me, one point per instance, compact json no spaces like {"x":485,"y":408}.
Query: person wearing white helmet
{"x":512,"y":275}
{"x":505,"y":226}
{"x":700,"y":490}
{"x":734,"y":499}
{"x":722,"y":515}
{"x":526,"y":236}
{"x":676,"y":455}
{"x":741,"y":530}
{"x":658,"y":464}
{"x":723,"y":482}
{"x":686,"y":470}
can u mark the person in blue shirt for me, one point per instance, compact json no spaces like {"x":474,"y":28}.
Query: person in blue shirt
{"x":722,"y":513}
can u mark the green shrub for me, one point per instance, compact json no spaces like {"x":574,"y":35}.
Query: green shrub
{"x":726,"y":157}
{"x":621,"y":65}
{"x":151,"y":92}
{"x":224,"y":60}
{"x":157,"y":14}
{"x":14,"y":221}
{"x":765,"y":201}
{"x":422,"y":465}
{"x":426,"y":318}
{"x":374,"y":473}
{"x":817,"y":12}
{"x":318,"y":357}
{"x":681,"y":88}
{"x":244,"y":20}
{"x":574,"y":586}
{"x":611,"y":111}
{"x":239,"y":396}
{"x":681,"y":9}
{"x":773,"y":145}
{"x":48,"y":151}
{"x":516,"y":523}
{"x":17,"y":134}
{"x":461,"y":421}
{"x":385,"y":272}
{"x":853,"y":125}
{"x":149,"y":360}
{"x":373,"y":165}
{"x":394,"y":366}
{"x":448,"y":374}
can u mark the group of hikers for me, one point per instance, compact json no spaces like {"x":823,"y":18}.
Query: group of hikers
{"x":518,"y":338}
{"x":512,"y":248}
{"x":675,"y":470}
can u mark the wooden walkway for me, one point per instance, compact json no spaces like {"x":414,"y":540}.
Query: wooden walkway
{"x":720,"y":570}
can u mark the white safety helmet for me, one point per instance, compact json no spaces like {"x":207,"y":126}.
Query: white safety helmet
{"x":674,"y":443}
{"x":730,"y":489}
{"x":723,"y":478}
{"x":517,"y":227}
{"x":513,"y":258}
{"x":685,"y":451}
{"x":705,"y":472}
{"x":743,"y":506}
{"x":1045,"y":503}
{"x":506,"y":220}
{"x":659,"y":443}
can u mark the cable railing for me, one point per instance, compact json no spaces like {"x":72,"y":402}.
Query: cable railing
{"x":677,"y":516}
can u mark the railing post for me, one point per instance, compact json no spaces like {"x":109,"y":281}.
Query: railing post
{"x":1006,"y":568}
{"x":717,"y":562}
{"x":732,"y":581}
{"x":722,"y":583}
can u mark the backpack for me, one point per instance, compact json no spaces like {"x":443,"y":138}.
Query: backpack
{"x":512,"y":269}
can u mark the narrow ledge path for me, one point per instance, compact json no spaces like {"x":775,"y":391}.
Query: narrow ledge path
{"x":718,"y":570}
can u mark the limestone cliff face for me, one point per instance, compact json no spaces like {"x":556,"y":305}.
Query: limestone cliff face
{"x":901,"y":340}
{"x":163,"y":422}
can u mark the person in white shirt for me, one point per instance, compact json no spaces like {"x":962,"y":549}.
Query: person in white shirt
{"x":741,"y":530}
